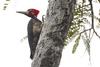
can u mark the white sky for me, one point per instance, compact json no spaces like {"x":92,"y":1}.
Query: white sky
{"x":13,"y":27}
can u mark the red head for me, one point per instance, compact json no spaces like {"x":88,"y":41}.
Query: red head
{"x":30,"y":12}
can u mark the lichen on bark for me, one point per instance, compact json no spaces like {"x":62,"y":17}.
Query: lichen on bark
{"x":58,"y":20}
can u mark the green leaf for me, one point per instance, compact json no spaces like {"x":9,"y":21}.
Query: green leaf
{"x":4,"y":8}
{"x":99,"y":1}
{"x":7,"y":0}
{"x":5,"y":4}
{"x":76,"y":44}
{"x":87,"y":44}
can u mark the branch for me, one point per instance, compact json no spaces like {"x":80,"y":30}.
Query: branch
{"x":96,"y":33}
{"x":85,"y":30}
{"x":92,"y":14}
{"x":23,"y":38}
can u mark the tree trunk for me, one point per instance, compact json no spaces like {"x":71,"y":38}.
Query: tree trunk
{"x":58,"y":20}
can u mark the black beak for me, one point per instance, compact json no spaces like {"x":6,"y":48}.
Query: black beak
{"x":22,"y":12}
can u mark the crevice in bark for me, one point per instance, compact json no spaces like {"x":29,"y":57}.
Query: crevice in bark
{"x":58,"y":20}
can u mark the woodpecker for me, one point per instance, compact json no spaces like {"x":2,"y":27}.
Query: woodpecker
{"x":34,"y":29}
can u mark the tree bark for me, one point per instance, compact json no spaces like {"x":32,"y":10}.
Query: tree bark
{"x":58,"y":20}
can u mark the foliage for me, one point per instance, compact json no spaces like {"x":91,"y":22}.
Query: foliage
{"x":6,"y":4}
{"x":76,"y":44}
{"x":82,"y":27}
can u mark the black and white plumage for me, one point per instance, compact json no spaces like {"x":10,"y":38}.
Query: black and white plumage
{"x":34,"y":29}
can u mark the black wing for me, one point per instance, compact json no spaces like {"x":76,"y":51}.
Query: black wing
{"x":34,"y":30}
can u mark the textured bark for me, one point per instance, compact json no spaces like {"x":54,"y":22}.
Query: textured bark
{"x":58,"y":20}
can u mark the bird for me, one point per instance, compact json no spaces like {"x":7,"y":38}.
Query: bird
{"x":34,"y":29}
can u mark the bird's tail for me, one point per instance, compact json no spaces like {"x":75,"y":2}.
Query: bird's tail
{"x":31,"y":56}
